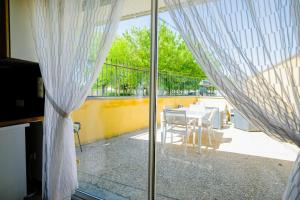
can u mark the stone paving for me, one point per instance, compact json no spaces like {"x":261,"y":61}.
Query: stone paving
{"x":239,"y":165}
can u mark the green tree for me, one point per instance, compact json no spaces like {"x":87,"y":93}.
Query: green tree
{"x":132,"y":48}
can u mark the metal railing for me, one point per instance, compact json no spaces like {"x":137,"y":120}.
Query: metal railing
{"x":124,"y":80}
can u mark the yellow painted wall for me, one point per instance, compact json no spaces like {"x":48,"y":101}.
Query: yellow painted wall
{"x":104,"y":118}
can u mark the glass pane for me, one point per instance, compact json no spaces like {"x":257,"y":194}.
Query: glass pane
{"x":113,"y":161}
{"x":237,"y":160}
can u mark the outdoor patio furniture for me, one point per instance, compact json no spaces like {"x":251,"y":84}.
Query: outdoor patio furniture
{"x":202,"y":119}
{"x":162,"y":120}
{"x":176,"y":121}
{"x":217,"y":118}
{"x":242,"y":123}
{"x":207,"y":123}
{"x":76,"y":128}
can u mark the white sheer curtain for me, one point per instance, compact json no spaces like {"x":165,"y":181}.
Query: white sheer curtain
{"x":250,"y":50}
{"x":72,"y":38}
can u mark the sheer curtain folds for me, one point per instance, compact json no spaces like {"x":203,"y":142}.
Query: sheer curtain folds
{"x":72,"y":38}
{"x":250,"y":50}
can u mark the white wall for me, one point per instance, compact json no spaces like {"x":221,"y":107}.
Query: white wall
{"x":22,"y":45}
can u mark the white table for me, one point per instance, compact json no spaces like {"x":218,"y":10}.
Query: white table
{"x":190,"y":114}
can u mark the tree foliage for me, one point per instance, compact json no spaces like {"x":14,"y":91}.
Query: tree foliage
{"x":132,"y":48}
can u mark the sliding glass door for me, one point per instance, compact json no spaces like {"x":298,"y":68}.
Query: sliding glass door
{"x":155,"y":127}
{"x":112,"y":160}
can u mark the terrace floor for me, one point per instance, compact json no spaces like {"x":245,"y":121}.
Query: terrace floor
{"x":240,"y":165}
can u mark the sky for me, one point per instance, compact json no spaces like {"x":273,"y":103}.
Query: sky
{"x":237,"y":18}
{"x":143,"y":21}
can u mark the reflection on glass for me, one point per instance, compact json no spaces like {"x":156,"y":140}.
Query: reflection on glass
{"x":205,"y":148}
{"x":113,"y":164}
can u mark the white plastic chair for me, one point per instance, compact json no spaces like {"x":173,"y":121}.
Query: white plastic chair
{"x":207,"y":123}
{"x":162,"y":122}
{"x":177,"y":122}
{"x":76,"y":129}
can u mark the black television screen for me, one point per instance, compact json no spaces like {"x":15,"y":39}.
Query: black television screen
{"x":21,"y":90}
